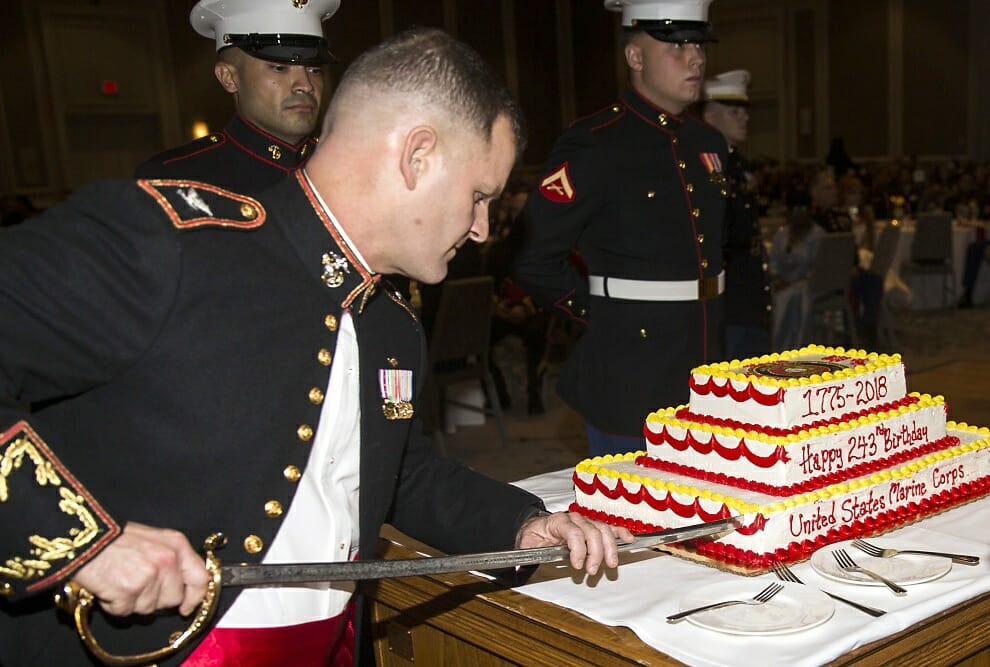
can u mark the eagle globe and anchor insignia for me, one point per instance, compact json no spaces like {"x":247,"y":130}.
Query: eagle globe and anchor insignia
{"x":334,"y":269}
{"x":795,"y":369}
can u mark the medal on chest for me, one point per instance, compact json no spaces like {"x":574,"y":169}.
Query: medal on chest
{"x":713,"y":164}
{"x":396,"y":387}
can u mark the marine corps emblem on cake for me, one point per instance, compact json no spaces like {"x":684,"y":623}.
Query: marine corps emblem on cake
{"x":795,"y":369}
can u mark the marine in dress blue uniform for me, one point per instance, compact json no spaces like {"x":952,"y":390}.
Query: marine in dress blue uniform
{"x":242,"y":157}
{"x":747,"y":284}
{"x":197,"y":348}
{"x":641,"y":191}
{"x":197,"y":333}
{"x":247,"y":156}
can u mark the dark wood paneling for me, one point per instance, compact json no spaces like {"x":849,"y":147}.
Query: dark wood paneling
{"x":804,"y":84}
{"x":107,"y":145}
{"x":116,"y":50}
{"x":112,"y":106}
{"x":753,"y":40}
{"x":936,"y":73}
{"x":480,"y":25}
{"x":355,"y":28}
{"x":931,"y":105}
{"x":21,"y":107}
{"x":859,"y":111}
{"x":595,"y":51}
{"x":406,"y":14}
{"x":199,"y":95}
{"x":539,"y":86}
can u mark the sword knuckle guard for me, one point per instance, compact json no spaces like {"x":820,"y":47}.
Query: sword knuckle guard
{"x":78,"y":602}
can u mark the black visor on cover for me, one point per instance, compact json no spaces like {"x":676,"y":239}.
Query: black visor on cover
{"x":668,"y":30}
{"x":279,"y":48}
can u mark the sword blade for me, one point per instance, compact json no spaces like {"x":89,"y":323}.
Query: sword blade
{"x":310,"y":573}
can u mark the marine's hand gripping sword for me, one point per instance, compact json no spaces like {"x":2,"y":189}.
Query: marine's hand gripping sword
{"x":79,"y":602}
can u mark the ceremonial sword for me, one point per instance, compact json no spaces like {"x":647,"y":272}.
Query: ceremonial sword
{"x":79,"y":602}
{"x":272,"y":574}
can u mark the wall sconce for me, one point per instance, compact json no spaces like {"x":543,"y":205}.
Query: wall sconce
{"x":200,"y":129}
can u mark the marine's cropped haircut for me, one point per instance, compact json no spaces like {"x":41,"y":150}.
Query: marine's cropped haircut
{"x":430,"y":64}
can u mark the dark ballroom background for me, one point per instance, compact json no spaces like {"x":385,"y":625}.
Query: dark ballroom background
{"x":89,"y":88}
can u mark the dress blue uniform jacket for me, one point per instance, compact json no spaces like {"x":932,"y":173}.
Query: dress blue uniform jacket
{"x":242,"y":157}
{"x":641,"y":193}
{"x":181,"y":337}
{"x":747,"y":284}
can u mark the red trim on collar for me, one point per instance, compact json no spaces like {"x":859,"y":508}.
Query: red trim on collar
{"x":258,"y":157}
{"x":272,"y":137}
{"x":366,"y":278}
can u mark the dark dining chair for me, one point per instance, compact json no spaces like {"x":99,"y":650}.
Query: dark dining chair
{"x":931,"y":253}
{"x":829,"y":285}
{"x":459,"y":349}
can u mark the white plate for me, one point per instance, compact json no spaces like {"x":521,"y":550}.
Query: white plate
{"x":905,"y":569}
{"x":795,"y":608}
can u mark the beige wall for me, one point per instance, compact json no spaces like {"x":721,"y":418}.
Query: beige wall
{"x":891,"y":77}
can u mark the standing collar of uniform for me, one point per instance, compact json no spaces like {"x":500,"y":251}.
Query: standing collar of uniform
{"x":265,"y":146}
{"x":294,"y":208}
{"x":650,"y":112}
{"x":346,"y":240}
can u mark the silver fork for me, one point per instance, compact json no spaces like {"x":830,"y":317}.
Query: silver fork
{"x":785,"y":573}
{"x":879,"y":552}
{"x":760,"y":598}
{"x":849,"y":565}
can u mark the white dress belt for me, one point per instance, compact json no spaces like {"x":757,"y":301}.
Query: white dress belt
{"x":657,"y":290}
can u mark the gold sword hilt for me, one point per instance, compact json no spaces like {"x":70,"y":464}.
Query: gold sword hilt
{"x":79,"y":602}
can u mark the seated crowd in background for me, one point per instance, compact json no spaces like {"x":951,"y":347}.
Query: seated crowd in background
{"x":887,"y":189}
{"x":792,"y":253}
{"x":853,"y":201}
{"x":837,"y":195}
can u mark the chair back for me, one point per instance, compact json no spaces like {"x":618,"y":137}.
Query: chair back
{"x":885,"y":250}
{"x":464,"y":319}
{"x":932,"y":241}
{"x":831,"y":271}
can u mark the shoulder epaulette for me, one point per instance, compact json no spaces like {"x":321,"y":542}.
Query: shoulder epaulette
{"x":603,"y":116}
{"x":191,"y":204}
{"x":208,"y":142}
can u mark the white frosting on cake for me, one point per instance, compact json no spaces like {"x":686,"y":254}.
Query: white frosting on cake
{"x":811,"y":446}
{"x":826,"y":452}
{"x":798,"y":387}
{"x":774,"y":523}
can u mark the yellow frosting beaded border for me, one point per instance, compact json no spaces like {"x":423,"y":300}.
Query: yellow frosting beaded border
{"x":595,"y":466}
{"x":730,"y":369}
{"x":668,"y":417}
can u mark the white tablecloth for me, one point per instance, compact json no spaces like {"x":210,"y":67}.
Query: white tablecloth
{"x":641,"y":595}
{"x":926,"y":290}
